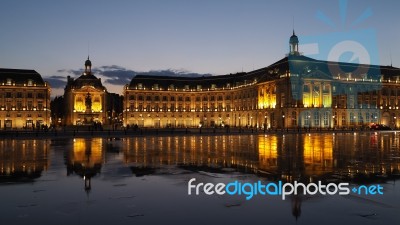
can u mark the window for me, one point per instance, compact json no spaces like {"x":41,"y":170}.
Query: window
{"x":343,"y":119}
{"x":140,"y":97}
{"x":198,"y":87}
{"x":40,"y":95}
{"x":186,"y":87}
{"x":30,"y":105}
{"x":219,"y":106}
{"x":156,"y":98}
{"x":164,"y":98}
{"x":205,"y":107}
{"x":351,"y":102}
{"x":148,"y":98}
{"x":187,"y":99}
{"x":307,"y":119}
{"x":316,"y":118}
{"x":220,"y":98}
{"x":360,"y":118}
{"x":306,"y":88}
{"x":8,"y":105}
{"x":40,"y":105}
{"x":19,"y":94}
{"x":140,"y":86}
{"x":30,"y":82}
{"x":180,"y":98}
{"x":132,"y":97}
{"x":198,"y":99}
{"x":19,"y":105}
{"x":172,"y":98}
{"x":352,"y":118}
{"x":213,"y":86}
{"x":9,"y":81}
{"x":326,"y":119}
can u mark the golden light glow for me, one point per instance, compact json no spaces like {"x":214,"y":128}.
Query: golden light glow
{"x":318,"y":154}
{"x":87,"y":152}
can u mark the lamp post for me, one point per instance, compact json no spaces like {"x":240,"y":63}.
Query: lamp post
{"x":265,"y":122}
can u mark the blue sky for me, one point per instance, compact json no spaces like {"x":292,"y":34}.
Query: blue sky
{"x":205,"y":37}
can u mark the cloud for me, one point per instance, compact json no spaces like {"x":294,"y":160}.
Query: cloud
{"x":56,"y":81}
{"x":118,"y":75}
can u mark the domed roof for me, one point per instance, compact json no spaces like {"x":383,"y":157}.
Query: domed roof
{"x":88,"y":62}
{"x":294,"y":38}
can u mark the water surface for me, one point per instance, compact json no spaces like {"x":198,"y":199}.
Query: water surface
{"x":143,"y":180}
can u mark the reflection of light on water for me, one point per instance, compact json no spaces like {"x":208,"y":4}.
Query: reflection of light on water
{"x":23,"y":158}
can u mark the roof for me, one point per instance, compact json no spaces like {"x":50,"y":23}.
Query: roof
{"x":85,"y":80}
{"x":302,"y":66}
{"x":164,"y":82}
{"x":21,"y":77}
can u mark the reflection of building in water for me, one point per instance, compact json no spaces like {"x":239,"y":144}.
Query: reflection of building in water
{"x":85,"y":159}
{"x":375,"y":160}
{"x":306,"y":156}
{"x":22,"y":160}
{"x":208,"y":151}
{"x":287,"y":157}
{"x":301,"y":157}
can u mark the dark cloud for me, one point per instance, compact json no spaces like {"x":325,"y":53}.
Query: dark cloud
{"x":56,"y":81}
{"x":119,"y":75}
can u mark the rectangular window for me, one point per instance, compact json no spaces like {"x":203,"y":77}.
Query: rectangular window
{"x":40,"y":105}
{"x":316,"y":118}
{"x":30,"y":105}
{"x":306,"y":119}
{"x":360,"y":118}
{"x":326,"y":119}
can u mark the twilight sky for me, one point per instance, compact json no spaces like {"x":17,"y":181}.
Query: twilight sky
{"x":178,"y":37}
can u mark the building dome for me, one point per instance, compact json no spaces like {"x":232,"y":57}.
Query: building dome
{"x":294,"y":39}
{"x":88,"y":62}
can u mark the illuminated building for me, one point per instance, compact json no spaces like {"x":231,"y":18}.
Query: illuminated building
{"x":296,"y":91}
{"x":85,"y":99}
{"x":24,"y":99}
